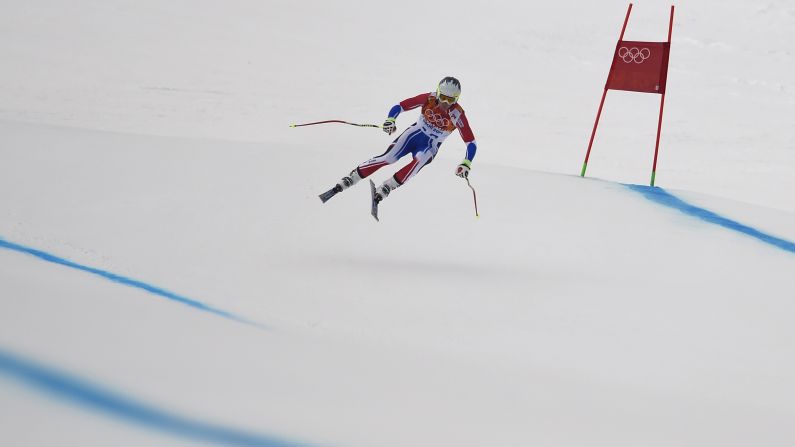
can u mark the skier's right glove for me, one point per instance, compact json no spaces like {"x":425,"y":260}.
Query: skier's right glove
{"x":389,"y":126}
{"x":463,"y":169}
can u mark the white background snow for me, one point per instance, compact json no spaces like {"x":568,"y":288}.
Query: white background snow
{"x":150,"y":139}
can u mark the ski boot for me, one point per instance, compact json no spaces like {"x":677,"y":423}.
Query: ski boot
{"x":345,"y":183}
{"x":380,"y":193}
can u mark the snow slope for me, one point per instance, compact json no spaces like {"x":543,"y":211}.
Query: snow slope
{"x":169,"y":277}
{"x":586,"y":313}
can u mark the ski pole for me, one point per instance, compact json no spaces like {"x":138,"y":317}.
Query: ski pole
{"x":337,"y":121}
{"x":474,"y":196}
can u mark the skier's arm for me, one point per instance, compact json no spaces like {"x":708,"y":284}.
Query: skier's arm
{"x":406,"y":104}
{"x":462,"y":170}
{"x":468,"y":137}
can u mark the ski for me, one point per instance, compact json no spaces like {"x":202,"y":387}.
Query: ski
{"x":374,"y":209}
{"x":330,"y":193}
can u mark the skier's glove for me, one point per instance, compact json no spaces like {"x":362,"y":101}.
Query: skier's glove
{"x":463,"y":169}
{"x":389,"y":126}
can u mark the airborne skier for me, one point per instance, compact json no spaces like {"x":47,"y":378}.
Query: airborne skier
{"x":440,"y":116}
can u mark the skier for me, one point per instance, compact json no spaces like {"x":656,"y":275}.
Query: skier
{"x":440,"y":116}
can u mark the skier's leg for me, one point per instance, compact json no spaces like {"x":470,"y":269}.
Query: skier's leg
{"x":407,"y":142}
{"x":400,"y":147}
{"x":419,"y":161}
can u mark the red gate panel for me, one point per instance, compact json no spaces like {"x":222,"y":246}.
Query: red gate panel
{"x":639,"y":67}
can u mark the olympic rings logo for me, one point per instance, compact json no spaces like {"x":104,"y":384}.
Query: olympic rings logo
{"x":634,"y":54}
{"x":436,"y":119}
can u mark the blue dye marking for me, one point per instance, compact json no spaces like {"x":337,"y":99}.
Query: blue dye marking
{"x":125,"y":281}
{"x":663,"y":197}
{"x":92,"y":397}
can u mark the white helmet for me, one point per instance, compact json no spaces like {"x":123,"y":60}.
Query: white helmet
{"x":449,"y":89}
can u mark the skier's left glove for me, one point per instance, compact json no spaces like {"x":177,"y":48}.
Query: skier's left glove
{"x":389,"y":126}
{"x":463,"y":169}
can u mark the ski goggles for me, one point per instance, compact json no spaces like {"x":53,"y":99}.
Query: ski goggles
{"x":447,"y":99}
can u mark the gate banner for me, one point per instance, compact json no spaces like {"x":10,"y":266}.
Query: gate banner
{"x":639,"y":67}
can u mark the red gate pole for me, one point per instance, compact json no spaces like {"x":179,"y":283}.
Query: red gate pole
{"x":593,"y":134}
{"x":662,"y":104}
{"x":604,"y":95}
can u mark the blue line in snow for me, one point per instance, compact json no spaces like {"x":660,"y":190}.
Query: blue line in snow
{"x":663,"y":197}
{"x":92,"y":397}
{"x":126,"y":281}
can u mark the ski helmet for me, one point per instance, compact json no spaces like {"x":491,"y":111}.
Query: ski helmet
{"x":449,"y":87}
